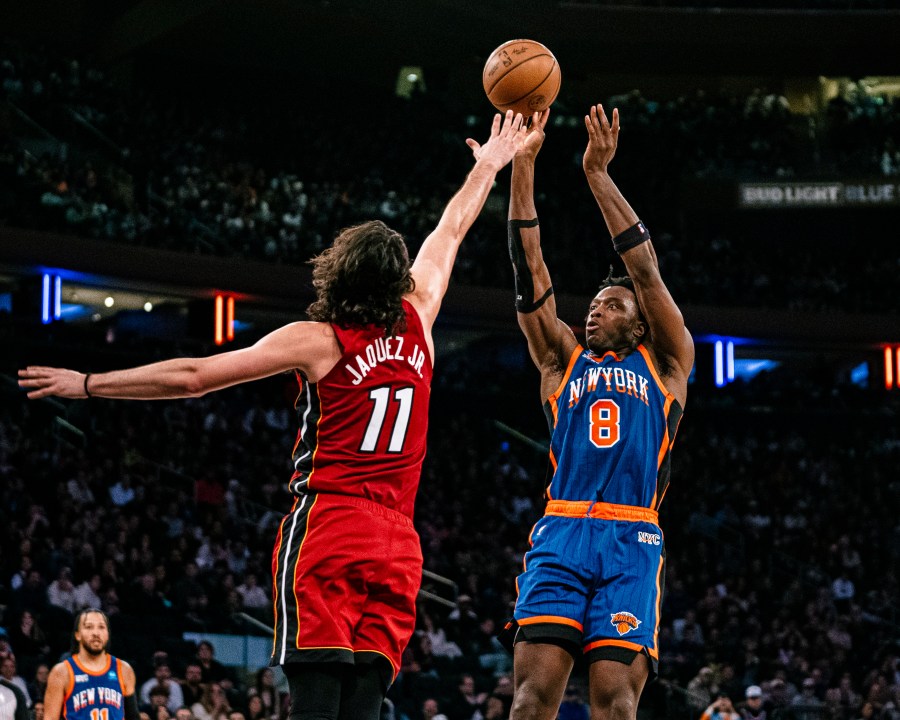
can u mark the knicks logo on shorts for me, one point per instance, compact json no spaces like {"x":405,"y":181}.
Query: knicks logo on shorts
{"x":624,"y":622}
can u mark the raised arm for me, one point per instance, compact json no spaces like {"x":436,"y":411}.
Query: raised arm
{"x":670,"y":341}
{"x":550,"y":341}
{"x":307,"y":346}
{"x":431,"y":269}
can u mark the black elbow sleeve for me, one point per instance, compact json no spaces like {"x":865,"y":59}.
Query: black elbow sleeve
{"x":525,"y":302}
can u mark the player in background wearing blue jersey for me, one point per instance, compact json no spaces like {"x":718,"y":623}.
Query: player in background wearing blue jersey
{"x":592,"y":584}
{"x":91,"y":684}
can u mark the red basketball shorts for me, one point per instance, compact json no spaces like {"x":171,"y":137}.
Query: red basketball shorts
{"x":346,"y":574}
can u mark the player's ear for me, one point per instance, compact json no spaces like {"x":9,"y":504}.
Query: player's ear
{"x":640,"y":329}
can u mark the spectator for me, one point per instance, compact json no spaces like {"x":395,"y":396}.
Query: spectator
{"x":431,"y":711}
{"x":122,"y":493}
{"x":38,"y":686}
{"x":191,"y":687}
{"x":86,"y":594}
{"x":702,"y":688}
{"x":162,"y":678}
{"x":8,"y":673}
{"x":806,"y":705}
{"x":213,"y":704}
{"x":270,"y":698}
{"x":254,"y":597}
{"x":465,"y":702}
{"x":753,"y":706}
{"x":720,"y":709}
{"x":61,"y":592}
{"x":213,"y":671}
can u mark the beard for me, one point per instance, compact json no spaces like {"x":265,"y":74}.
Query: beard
{"x":94,"y":649}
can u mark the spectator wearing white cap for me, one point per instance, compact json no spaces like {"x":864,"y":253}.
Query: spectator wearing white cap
{"x":753,"y":704}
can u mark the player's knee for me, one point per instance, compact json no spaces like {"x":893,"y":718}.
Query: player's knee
{"x":534,"y":700}
{"x":614,"y":706}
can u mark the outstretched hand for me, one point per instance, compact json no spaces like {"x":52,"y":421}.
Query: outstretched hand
{"x":504,"y":142}
{"x":534,"y":139}
{"x":47,"y":381}
{"x":603,"y":139}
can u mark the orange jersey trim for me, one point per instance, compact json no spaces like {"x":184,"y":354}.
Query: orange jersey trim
{"x":91,"y":672}
{"x":662,"y":386}
{"x":554,"y":396}
{"x":601,"y":511}
{"x":70,"y":686}
{"x":554,"y":619}
{"x":624,"y":644}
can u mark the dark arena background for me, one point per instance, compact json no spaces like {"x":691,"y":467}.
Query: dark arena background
{"x":167,"y":169}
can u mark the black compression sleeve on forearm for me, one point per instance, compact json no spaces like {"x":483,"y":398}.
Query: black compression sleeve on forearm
{"x":525,"y":302}
{"x":131,"y":708}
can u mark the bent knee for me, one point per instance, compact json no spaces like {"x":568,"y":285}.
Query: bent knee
{"x":534,"y":699}
{"x":619,"y":706}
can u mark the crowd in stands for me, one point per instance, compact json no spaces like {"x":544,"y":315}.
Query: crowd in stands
{"x":781,"y":534}
{"x":270,"y":178}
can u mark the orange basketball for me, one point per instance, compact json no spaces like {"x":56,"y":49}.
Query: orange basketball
{"x":522,"y":76}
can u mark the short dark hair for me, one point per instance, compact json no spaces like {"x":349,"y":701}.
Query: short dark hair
{"x":362,"y":278}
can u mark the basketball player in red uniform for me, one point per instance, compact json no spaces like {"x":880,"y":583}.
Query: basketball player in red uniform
{"x":347,"y":562}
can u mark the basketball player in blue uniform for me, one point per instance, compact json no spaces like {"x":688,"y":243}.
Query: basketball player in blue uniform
{"x":592,"y":583}
{"x":91,"y":684}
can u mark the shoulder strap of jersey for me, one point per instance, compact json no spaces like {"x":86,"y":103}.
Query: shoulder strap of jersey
{"x":70,"y":683}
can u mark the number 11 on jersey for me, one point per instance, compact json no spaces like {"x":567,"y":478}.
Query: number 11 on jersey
{"x":380,"y":398}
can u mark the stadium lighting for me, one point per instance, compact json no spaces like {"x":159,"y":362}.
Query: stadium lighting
{"x":45,"y":300}
{"x":57,"y":299}
{"x":720,"y":365}
{"x":110,"y":301}
{"x":217,"y":331}
{"x":889,"y":368}
{"x":729,"y":361}
{"x":229,"y":319}
{"x":148,"y":306}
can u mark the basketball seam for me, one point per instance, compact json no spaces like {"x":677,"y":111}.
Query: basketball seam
{"x":513,"y":102}
{"x":518,"y":66}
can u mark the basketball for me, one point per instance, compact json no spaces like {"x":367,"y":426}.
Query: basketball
{"x":522,"y":76}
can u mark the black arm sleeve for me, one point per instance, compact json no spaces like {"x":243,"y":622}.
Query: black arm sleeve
{"x":525,"y":302}
{"x":131,"y":707}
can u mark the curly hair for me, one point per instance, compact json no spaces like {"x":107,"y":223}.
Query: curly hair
{"x":362,"y":278}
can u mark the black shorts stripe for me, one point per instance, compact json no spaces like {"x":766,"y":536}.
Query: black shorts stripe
{"x":292,"y":533}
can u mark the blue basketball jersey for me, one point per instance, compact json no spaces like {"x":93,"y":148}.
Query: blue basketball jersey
{"x":94,"y":696}
{"x":613,"y":423}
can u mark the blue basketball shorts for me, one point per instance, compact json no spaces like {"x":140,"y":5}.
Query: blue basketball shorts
{"x":593,"y":581}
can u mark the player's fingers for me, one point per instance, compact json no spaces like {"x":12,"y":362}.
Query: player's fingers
{"x":604,"y":123}
{"x":511,"y":124}
{"x":495,"y":126}
{"x":543,"y":117}
{"x":615,"y":122}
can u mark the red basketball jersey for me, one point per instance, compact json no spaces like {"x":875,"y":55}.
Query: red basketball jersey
{"x":363,"y":425}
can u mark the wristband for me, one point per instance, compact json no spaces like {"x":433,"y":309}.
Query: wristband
{"x":632,"y":237}
{"x":87,"y":393}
